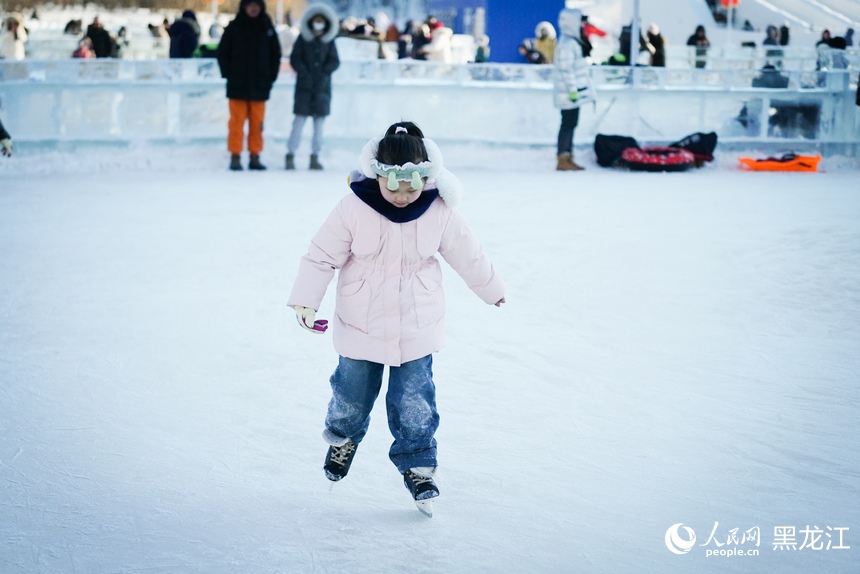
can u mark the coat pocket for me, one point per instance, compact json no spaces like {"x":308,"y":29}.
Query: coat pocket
{"x":353,"y":304}
{"x":429,"y":299}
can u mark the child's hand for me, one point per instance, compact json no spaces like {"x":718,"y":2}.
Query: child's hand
{"x":305,"y":317}
{"x":499,"y":302}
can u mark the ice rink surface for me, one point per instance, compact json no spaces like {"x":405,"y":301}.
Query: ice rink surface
{"x":675,"y":349}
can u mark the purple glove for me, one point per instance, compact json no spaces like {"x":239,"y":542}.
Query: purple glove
{"x":305,"y":317}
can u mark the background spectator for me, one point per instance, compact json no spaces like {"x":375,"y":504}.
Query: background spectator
{"x":5,"y":141}
{"x":404,"y":41}
{"x":658,"y":43}
{"x":85,"y":49}
{"x":12,"y":39}
{"x":624,"y":44}
{"x":700,"y":41}
{"x":439,"y":48}
{"x":420,"y":38}
{"x":314,"y":59}
{"x":531,"y":55}
{"x":249,"y":57}
{"x":482,"y":53}
{"x":771,"y":36}
{"x":784,"y":34}
{"x":545,"y":41}
{"x":104,"y":45}
{"x":184,"y":35}
{"x":571,"y":84}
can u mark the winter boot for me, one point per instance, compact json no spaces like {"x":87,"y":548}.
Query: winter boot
{"x":291,"y":163}
{"x":235,"y":162}
{"x":338,"y":460}
{"x":255,"y":163}
{"x":565,"y":163}
{"x":315,"y":162}
{"x":421,"y":486}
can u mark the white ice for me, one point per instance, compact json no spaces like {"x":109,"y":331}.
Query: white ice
{"x":676,"y":348}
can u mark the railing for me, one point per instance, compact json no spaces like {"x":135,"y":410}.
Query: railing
{"x":182,"y":100}
{"x":54,"y":45}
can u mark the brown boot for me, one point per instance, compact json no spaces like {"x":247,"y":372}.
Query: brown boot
{"x":565,"y":163}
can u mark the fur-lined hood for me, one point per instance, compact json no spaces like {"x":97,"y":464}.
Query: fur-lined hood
{"x":326,"y":12}
{"x":545,"y":29}
{"x":449,"y":186}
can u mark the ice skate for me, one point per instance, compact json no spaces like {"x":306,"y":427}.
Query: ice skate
{"x":339,"y":459}
{"x":422,"y":488}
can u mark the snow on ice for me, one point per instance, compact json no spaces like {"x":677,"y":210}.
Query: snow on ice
{"x":677,"y":349}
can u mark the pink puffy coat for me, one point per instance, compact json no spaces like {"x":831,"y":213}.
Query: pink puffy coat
{"x":390,"y":307}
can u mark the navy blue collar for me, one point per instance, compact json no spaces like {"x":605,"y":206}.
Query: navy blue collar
{"x":368,"y":191}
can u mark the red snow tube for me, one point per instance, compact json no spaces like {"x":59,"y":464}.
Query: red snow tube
{"x":657,"y":158}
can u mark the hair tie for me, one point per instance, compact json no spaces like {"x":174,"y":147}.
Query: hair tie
{"x":416,"y":180}
{"x":399,"y":129}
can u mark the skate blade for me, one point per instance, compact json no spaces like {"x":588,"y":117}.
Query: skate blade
{"x":425,"y":507}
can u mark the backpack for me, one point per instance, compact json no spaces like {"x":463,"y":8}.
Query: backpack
{"x":699,"y":144}
{"x":608,"y":148}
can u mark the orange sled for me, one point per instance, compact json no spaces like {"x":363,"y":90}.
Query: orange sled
{"x":788,"y":162}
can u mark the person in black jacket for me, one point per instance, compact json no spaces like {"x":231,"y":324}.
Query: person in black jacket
{"x":184,"y":35}
{"x":314,"y":58}
{"x":249,"y":56}
{"x":104,"y":45}
{"x":700,"y":41}
{"x":5,"y":141}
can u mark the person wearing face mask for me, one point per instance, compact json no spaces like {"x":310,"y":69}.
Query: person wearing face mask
{"x":249,"y":56}
{"x":314,"y":58}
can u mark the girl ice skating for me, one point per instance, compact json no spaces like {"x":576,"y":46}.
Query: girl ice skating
{"x":390,"y":308}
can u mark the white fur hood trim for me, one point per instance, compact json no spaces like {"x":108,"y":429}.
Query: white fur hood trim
{"x":328,"y":13}
{"x":449,"y":186}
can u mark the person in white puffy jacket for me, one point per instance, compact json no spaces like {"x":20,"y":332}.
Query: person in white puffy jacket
{"x":571,"y":83}
{"x":439,"y":48}
{"x":12,"y":39}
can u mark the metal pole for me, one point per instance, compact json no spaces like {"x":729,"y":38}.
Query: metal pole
{"x":729,"y":24}
{"x":279,"y":13}
{"x":634,"y":34}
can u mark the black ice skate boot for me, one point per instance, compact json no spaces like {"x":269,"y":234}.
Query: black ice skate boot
{"x":315,"y":162}
{"x":422,"y":487}
{"x":338,"y":460}
{"x":291,"y":161}
{"x":235,"y":162}
{"x":255,"y":163}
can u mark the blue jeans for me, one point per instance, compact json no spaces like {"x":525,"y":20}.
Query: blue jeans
{"x":410,"y":401}
{"x":569,"y":121}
